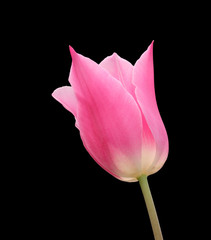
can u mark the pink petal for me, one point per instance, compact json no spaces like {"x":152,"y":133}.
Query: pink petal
{"x":65,"y":95}
{"x":143,"y":79}
{"x":108,"y":118}
{"x":120,"y":69}
{"x":123,"y":71}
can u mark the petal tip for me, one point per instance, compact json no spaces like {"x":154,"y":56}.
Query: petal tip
{"x":115,"y":54}
{"x":72,"y":51}
{"x":151,"y":45}
{"x":54,"y":94}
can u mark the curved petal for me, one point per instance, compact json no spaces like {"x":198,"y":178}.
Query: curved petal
{"x":108,"y":118}
{"x":66,"y":96}
{"x":120,"y":69}
{"x":143,"y":79}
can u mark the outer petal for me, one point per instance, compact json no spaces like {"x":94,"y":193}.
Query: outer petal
{"x":66,"y":96}
{"x":108,"y":118}
{"x":121,"y":69}
{"x":143,"y":79}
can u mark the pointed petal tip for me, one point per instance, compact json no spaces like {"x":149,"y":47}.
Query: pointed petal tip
{"x":151,"y":45}
{"x":56,"y":94}
{"x":115,"y":54}
{"x":53,"y":94}
{"x":72,"y":51}
{"x":70,"y":48}
{"x":150,"y":49}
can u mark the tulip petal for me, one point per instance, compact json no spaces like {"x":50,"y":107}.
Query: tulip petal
{"x":65,"y":95}
{"x":120,"y":69}
{"x":143,"y":79}
{"x":108,"y":118}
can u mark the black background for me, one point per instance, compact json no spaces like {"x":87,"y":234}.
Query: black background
{"x":58,"y":190}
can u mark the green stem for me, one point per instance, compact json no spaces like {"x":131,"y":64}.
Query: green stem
{"x":150,"y":207}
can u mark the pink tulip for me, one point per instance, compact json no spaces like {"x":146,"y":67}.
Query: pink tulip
{"x":116,"y":112}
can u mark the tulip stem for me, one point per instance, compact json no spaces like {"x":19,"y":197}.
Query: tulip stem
{"x":150,"y":207}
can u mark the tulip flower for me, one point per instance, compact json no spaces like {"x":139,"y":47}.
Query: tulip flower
{"x":116,"y":112}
